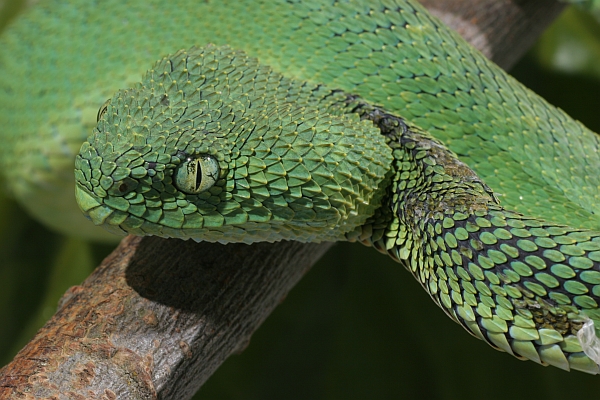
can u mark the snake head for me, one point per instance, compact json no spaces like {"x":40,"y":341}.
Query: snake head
{"x":213,"y":146}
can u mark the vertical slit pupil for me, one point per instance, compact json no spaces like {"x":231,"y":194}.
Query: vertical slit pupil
{"x":198,"y":174}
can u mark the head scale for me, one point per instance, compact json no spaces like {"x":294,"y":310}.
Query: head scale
{"x":213,"y":146}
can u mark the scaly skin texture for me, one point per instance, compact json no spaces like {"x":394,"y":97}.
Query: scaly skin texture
{"x":296,"y":162}
{"x":521,"y":284}
{"x":287,"y":169}
{"x":389,"y":52}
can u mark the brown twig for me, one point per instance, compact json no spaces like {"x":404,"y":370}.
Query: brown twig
{"x":503,"y":30}
{"x":155,"y":312}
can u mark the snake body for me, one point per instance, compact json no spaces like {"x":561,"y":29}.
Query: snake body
{"x":363,"y":121}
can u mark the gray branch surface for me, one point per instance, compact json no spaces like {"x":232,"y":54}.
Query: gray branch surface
{"x":156,"y":319}
{"x":159,"y":316}
{"x":503,"y":30}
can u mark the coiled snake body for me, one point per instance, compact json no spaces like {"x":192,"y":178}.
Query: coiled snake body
{"x":361,"y":121}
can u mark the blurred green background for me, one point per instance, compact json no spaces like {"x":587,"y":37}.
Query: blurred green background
{"x":357,"y":326}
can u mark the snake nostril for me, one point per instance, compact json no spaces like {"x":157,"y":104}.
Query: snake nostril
{"x":123,"y":187}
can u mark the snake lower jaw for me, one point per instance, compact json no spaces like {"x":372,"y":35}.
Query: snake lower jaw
{"x":96,"y":212}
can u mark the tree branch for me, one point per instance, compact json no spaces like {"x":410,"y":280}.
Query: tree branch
{"x":158,"y":316}
{"x":503,"y":30}
{"x":156,"y":312}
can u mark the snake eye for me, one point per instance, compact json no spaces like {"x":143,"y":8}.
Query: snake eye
{"x":102,"y":110}
{"x":197,"y":174}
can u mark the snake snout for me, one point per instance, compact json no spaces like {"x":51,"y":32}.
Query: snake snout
{"x":94,"y":210}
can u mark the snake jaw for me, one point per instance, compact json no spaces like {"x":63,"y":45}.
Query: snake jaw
{"x":85,"y":201}
{"x":94,"y":210}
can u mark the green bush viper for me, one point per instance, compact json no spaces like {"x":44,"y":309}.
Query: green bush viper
{"x":326,"y":138}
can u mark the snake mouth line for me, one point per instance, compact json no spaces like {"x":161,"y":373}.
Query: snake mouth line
{"x":96,"y":211}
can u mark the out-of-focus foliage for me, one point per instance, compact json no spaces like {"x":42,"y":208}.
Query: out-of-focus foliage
{"x":9,"y":9}
{"x":564,"y":66}
{"x":593,"y":5}
{"x":358,"y":326}
{"x":571,"y":45}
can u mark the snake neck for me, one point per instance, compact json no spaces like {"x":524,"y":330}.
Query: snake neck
{"x":521,"y":284}
{"x":428,"y":183}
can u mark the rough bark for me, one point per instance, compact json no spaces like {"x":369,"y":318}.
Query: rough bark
{"x":156,"y":319}
{"x":503,"y":30}
{"x":159,"y":316}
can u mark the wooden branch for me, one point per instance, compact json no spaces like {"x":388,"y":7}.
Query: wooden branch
{"x":159,"y":316}
{"x":156,"y":319}
{"x":503,"y":30}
